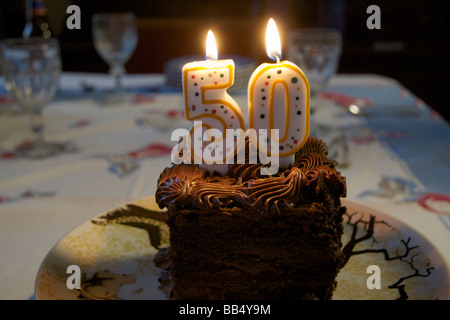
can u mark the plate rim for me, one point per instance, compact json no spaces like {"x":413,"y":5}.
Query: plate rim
{"x":396,"y":223}
{"x":432,"y":251}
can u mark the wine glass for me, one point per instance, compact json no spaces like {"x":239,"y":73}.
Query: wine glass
{"x":31,"y":68}
{"x":317,"y":51}
{"x":115,"y":39}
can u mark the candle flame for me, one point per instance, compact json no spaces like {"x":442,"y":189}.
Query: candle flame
{"x":211,"y":47}
{"x":273,"y":43}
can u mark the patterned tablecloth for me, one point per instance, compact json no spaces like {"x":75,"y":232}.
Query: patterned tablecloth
{"x":395,"y":157}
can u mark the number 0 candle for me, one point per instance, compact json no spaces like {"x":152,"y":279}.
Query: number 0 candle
{"x":206,"y":100}
{"x":278,"y":96}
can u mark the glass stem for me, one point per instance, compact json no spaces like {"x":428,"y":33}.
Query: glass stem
{"x":117,"y":72}
{"x":37,"y":126}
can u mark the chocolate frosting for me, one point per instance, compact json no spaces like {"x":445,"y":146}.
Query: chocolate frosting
{"x":187,"y":186}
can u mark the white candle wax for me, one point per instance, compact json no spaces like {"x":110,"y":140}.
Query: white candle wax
{"x":206,"y":100}
{"x":278,"y":96}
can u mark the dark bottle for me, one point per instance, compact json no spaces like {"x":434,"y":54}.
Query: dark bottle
{"x":37,"y":24}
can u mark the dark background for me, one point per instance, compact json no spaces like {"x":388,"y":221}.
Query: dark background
{"x":411,"y":46}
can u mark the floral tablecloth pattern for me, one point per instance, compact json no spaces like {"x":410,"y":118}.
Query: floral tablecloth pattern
{"x":395,"y":157}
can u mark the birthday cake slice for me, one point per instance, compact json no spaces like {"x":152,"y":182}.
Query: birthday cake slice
{"x":244,"y":235}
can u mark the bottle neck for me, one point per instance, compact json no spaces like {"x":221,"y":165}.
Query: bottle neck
{"x":36,"y":25}
{"x":38,"y":8}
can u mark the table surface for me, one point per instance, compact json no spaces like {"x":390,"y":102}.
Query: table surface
{"x":395,"y":158}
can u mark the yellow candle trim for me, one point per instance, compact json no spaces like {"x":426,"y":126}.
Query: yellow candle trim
{"x":287,"y":130}
{"x":234,"y":110}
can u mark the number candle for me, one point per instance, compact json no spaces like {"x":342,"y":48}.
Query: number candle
{"x":206,"y":100}
{"x":278,"y":96}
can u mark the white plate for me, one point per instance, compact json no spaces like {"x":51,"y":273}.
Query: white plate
{"x":115,"y":252}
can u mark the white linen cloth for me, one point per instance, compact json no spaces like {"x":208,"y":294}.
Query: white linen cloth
{"x":121,"y":150}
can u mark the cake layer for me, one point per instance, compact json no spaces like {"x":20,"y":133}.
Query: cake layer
{"x":233,"y":285}
{"x":228,"y":254}
{"x":248,"y":236}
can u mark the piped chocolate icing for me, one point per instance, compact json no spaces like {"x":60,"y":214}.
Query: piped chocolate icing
{"x":187,"y":186}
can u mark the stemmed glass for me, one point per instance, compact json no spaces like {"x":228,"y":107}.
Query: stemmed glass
{"x":115,"y":39}
{"x":31,"y":68}
{"x":317,"y":52}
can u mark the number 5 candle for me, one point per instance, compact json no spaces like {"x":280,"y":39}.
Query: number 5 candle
{"x":206,"y":100}
{"x":278,"y":96}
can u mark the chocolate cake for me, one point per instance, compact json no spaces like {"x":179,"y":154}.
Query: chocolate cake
{"x":247,"y":236}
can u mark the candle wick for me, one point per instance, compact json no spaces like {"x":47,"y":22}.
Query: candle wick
{"x":278,"y":59}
